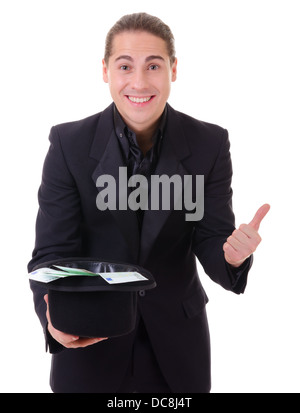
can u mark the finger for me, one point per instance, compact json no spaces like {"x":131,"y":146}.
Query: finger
{"x":233,"y":242}
{"x":259,"y":216}
{"x":50,"y":326}
{"x":247,"y":236}
{"x":65,"y":339}
{"x":241,"y":236}
{"x":85,"y":342}
{"x":47,"y":311}
{"x":228,"y":249}
{"x":232,"y":256}
{"x":251,"y":233}
{"x":242,"y":250}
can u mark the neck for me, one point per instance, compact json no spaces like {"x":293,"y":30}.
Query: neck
{"x":144,"y":137}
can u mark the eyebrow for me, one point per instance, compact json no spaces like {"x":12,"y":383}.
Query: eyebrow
{"x":148,"y":58}
{"x":154,"y":57}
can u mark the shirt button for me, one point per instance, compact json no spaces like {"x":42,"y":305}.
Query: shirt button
{"x":142,"y":293}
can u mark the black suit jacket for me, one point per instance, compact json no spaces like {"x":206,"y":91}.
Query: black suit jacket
{"x":69,"y":224}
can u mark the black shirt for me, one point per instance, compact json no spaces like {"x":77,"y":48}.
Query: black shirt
{"x":134,"y":158}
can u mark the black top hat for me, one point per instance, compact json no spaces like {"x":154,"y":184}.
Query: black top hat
{"x":92,"y":306}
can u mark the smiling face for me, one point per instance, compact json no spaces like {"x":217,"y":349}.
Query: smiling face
{"x":139,"y":74}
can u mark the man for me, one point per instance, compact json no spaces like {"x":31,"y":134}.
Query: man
{"x":169,"y":350}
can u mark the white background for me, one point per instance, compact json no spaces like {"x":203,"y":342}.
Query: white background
{"x":238,"y":66}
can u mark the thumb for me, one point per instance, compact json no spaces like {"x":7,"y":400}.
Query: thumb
{"x":46,"y":298}
{"x":259,"y":216}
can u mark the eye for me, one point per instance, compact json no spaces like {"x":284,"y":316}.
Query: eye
{"x":124,"y":67}
{"x":153,"y":67}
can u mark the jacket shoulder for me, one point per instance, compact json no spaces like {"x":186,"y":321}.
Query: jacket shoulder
{"x":200,"y":136}
{"x":78,"y":127}
{"x":195,"y":125}
{"x":77,"y":136}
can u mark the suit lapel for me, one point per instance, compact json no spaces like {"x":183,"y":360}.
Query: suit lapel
{"x":105,"y":149}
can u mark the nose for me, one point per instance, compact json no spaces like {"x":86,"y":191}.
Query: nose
{"x":139,"y":80}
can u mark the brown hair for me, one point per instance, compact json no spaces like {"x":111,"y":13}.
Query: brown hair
{"x":141,"y":22}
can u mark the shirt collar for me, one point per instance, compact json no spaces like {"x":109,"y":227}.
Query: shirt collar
{"x":123,"y":132}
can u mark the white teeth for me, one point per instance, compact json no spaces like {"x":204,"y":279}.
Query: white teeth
{"x":139,"y":100}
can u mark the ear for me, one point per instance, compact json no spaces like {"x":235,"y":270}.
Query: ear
{"x":174,"y":71}
{"x":104,"y":71}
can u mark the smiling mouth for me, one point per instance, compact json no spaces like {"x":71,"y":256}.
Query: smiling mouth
{"x":135,"y":99}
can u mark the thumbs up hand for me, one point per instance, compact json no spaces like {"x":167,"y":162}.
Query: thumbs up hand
{"x":244,"y":241}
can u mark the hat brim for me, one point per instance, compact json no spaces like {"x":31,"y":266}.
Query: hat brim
{"x":89,"y":306}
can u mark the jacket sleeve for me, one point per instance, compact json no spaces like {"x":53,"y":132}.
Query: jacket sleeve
{"x":58,"y":221}
{"x":218,"y":223}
